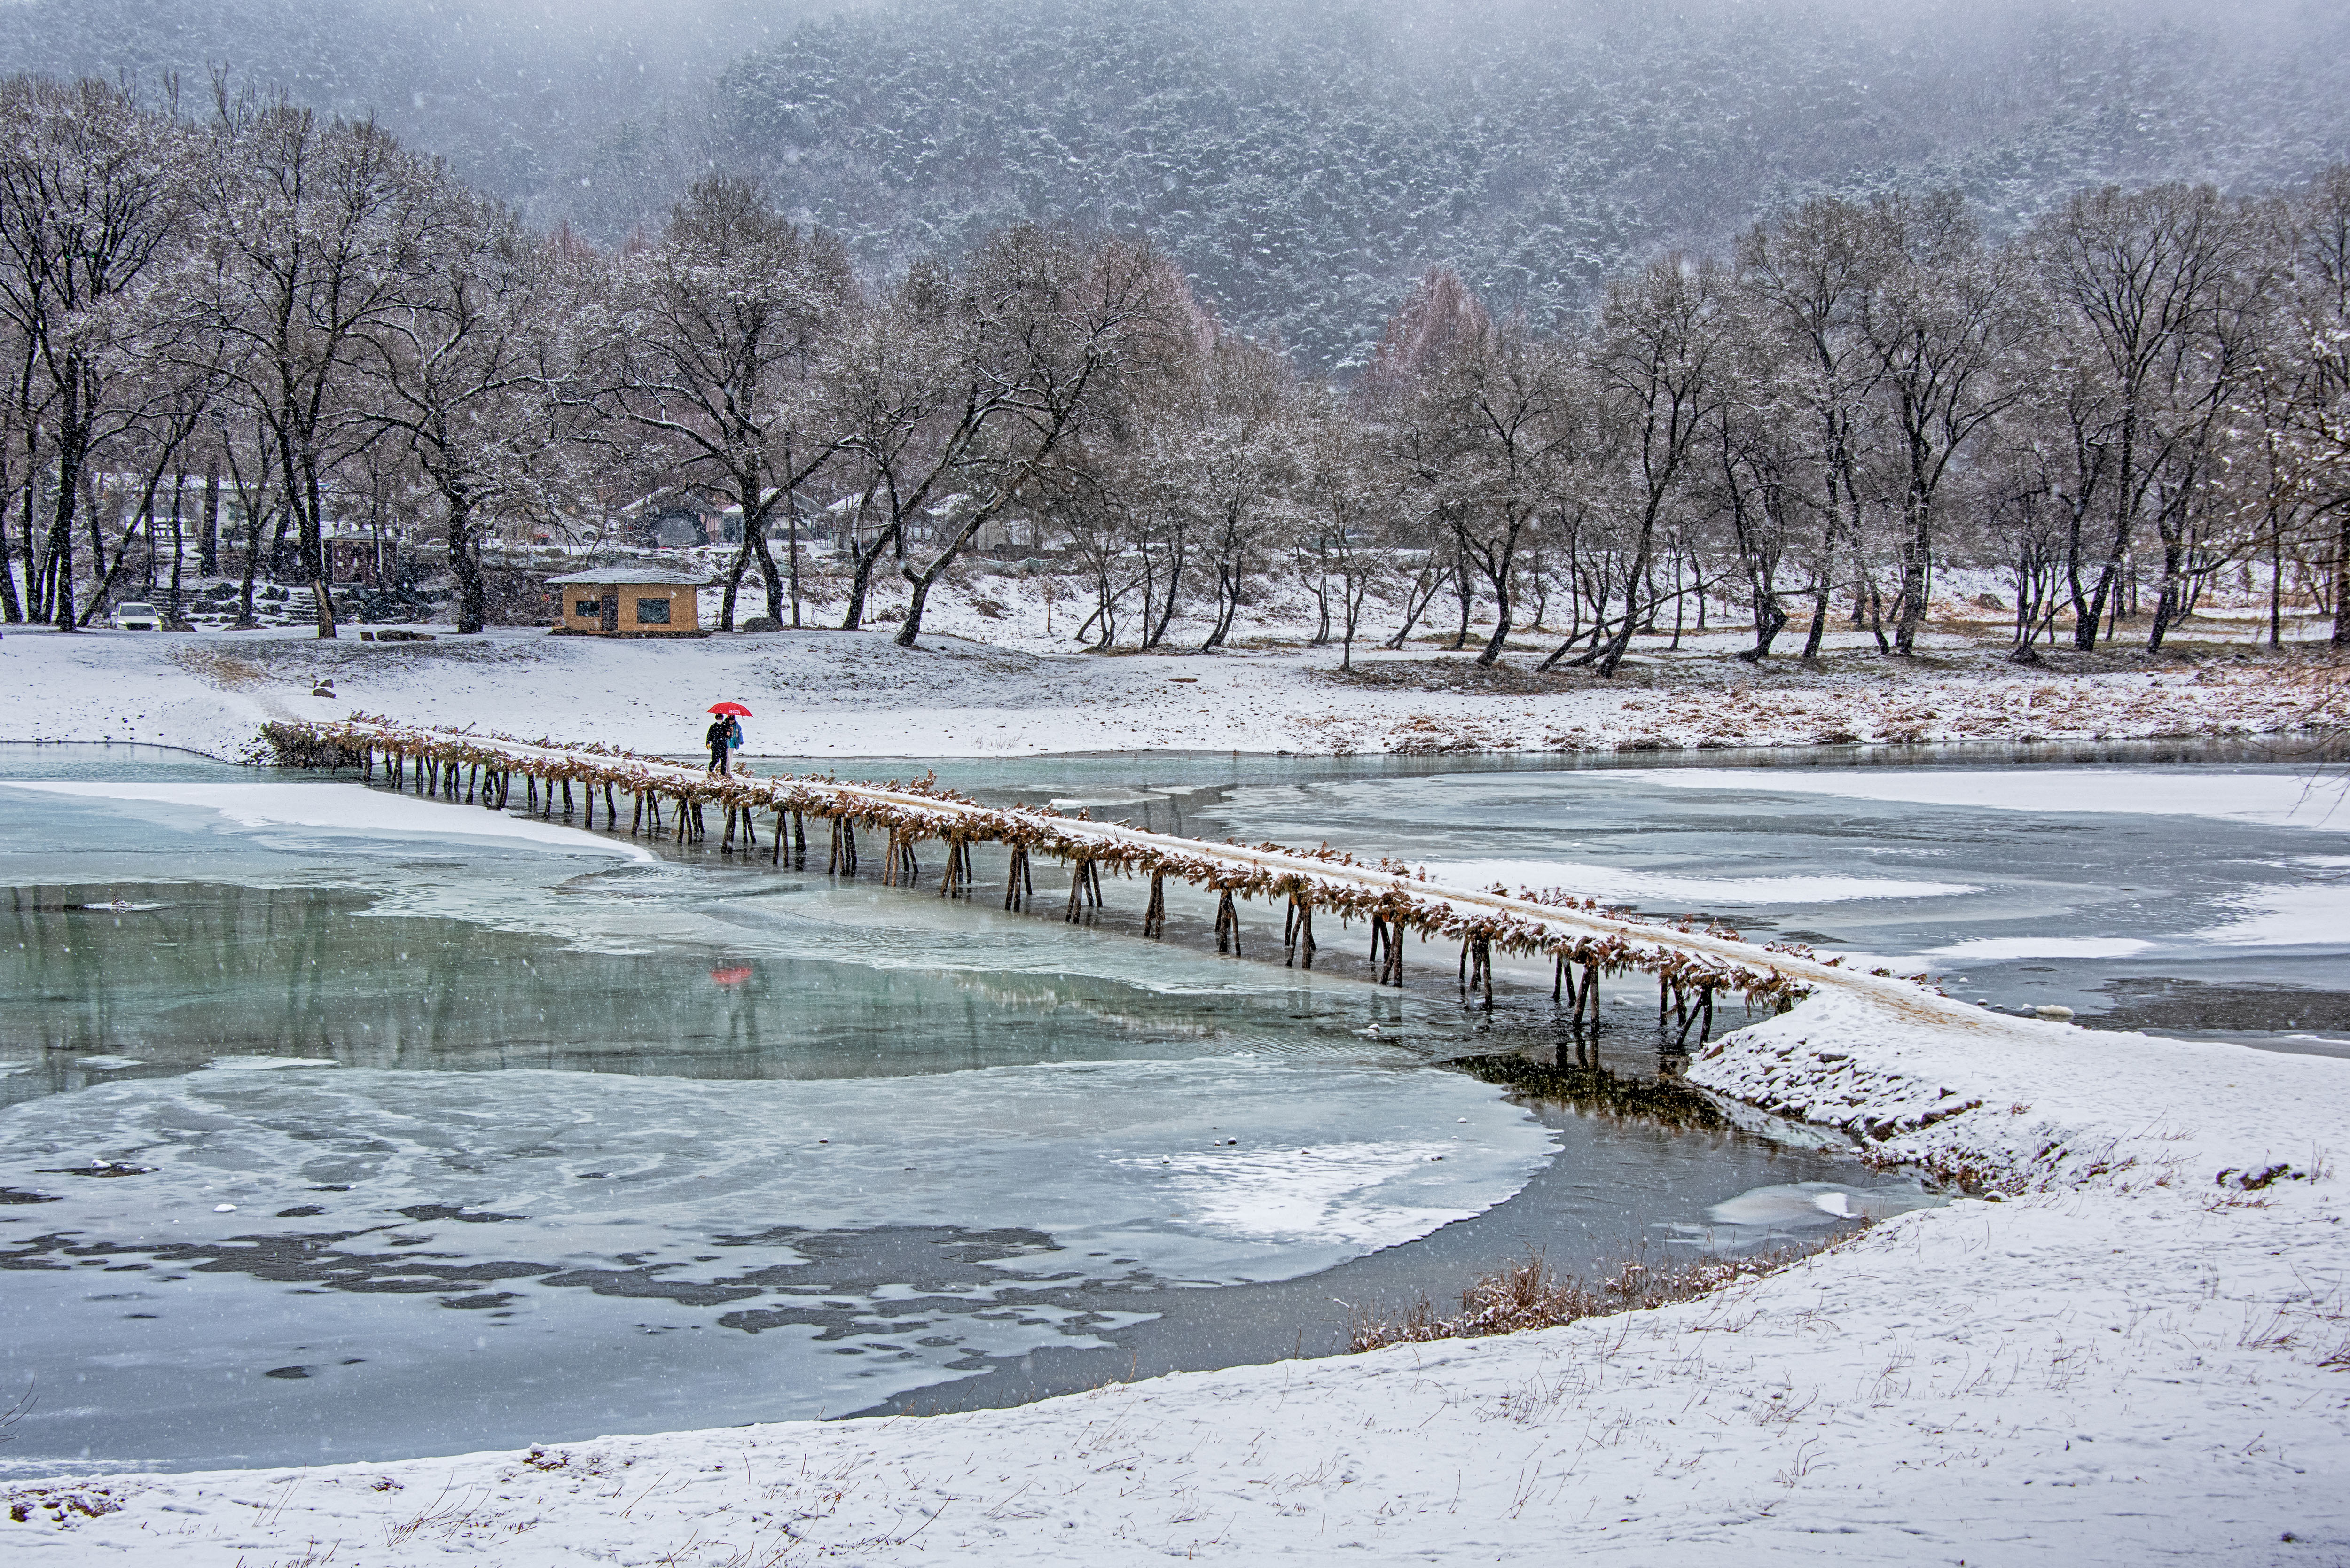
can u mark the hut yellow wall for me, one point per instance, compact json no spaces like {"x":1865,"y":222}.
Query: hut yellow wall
{"x":683,"y":606}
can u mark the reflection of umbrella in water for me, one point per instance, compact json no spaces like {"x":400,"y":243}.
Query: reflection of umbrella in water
{"x":732,"y":709}
{"x":735,"y":976}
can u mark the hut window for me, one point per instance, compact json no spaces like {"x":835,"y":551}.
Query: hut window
{"x":652,"y":612}
{"x":588,"y":607}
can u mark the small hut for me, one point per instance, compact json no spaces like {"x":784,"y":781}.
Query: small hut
{"x":628,"y":602}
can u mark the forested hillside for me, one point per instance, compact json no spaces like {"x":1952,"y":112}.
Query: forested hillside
{"x":579,"y":109}
{"x":1303,"y":161}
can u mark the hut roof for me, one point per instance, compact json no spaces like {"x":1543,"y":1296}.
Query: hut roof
{"x":650,"y":576}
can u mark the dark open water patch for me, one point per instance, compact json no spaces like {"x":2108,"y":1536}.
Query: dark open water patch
{"x":2185,"y":1006}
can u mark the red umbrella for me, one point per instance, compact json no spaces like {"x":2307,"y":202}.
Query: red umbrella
{"x":736,"y":708}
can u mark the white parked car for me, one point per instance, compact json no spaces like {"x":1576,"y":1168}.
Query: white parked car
{"x":135,"y":616}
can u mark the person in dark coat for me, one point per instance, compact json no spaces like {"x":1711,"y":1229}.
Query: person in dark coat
{"x":724,"y":736}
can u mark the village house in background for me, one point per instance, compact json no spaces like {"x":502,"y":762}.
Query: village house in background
{"x":635,"y":600}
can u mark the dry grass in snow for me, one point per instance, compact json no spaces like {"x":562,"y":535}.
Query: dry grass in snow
{"x":1518,"y":1297}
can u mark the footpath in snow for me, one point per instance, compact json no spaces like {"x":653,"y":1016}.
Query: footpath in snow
{"x":852,"y":695}
{"x":2139,"y":1351}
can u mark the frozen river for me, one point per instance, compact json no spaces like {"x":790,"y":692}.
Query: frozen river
{"x":331,"y":1135}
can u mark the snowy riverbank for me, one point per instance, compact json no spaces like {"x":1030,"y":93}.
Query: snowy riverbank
{"x":2141,"y":1349}
{"x":850,"y":694}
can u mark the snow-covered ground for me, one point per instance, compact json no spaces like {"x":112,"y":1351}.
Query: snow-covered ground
{"x":850,"y":694}
{"x":2140,"y":1350}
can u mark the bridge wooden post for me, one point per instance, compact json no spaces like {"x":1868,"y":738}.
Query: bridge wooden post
{"x":1084,"y":889}
{"x":1297,"y":930}
{"x":1154,"y":914}
{"x":1477,"y":964}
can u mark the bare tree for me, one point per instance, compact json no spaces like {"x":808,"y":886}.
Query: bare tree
{"x":1811,"y":281}
{"x":716,"y":334}
{"x":1498,"y":434}
{"x":1944,"y":320}
{"x":1056,"y":339}
{"x":2318,"y":336}
{"x":1654,"y":367}
{"x":1350,"y":506}
{"x":460,"y":374}
{"x":1765,"y":481}
{"x":1220,"y":449}
{"x":316,"y":228}
{"x":92,"y":197}
{"x":2144,"y":285}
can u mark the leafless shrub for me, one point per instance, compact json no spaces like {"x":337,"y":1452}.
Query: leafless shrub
{"x":299,"y":748}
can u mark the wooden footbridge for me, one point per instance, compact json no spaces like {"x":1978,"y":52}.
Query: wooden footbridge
{"x":770,"y":818}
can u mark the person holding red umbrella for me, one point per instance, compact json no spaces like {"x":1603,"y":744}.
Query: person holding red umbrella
{"x":725,"y":733}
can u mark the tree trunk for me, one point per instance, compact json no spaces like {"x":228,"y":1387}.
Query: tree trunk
{"x":792,"y":549}
{"x":2276,"y":579}
{"x":1916,"y":557}
{"x":464,"y":559}
{"x":208,"y":541}
{"x":1621,"y":643}
{"x":1770,"y":620}
{"x":767,"y":573}
{"x":179,"y":545}
{"x":313,"y":546}
{"x":1158,"y":630}
{"x":11,"y":608}
{"x":861,"y":579}
{"x":734,"y":580}
{"x":61,"y":529}
{"x":252,"y":567}
{"x":2342,"y":582}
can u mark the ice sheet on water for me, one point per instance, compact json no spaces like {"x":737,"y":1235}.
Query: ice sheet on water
{"x":1808,"y":1205}
{"x":1992,"y":950}
{"x":344,"y":811}
{"x":1615,"y":882}
{"x":2306,"y":916}
{"x":681,"y":1251}
{"x":2281,"y":799}
{"x":1117,"y":1160}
